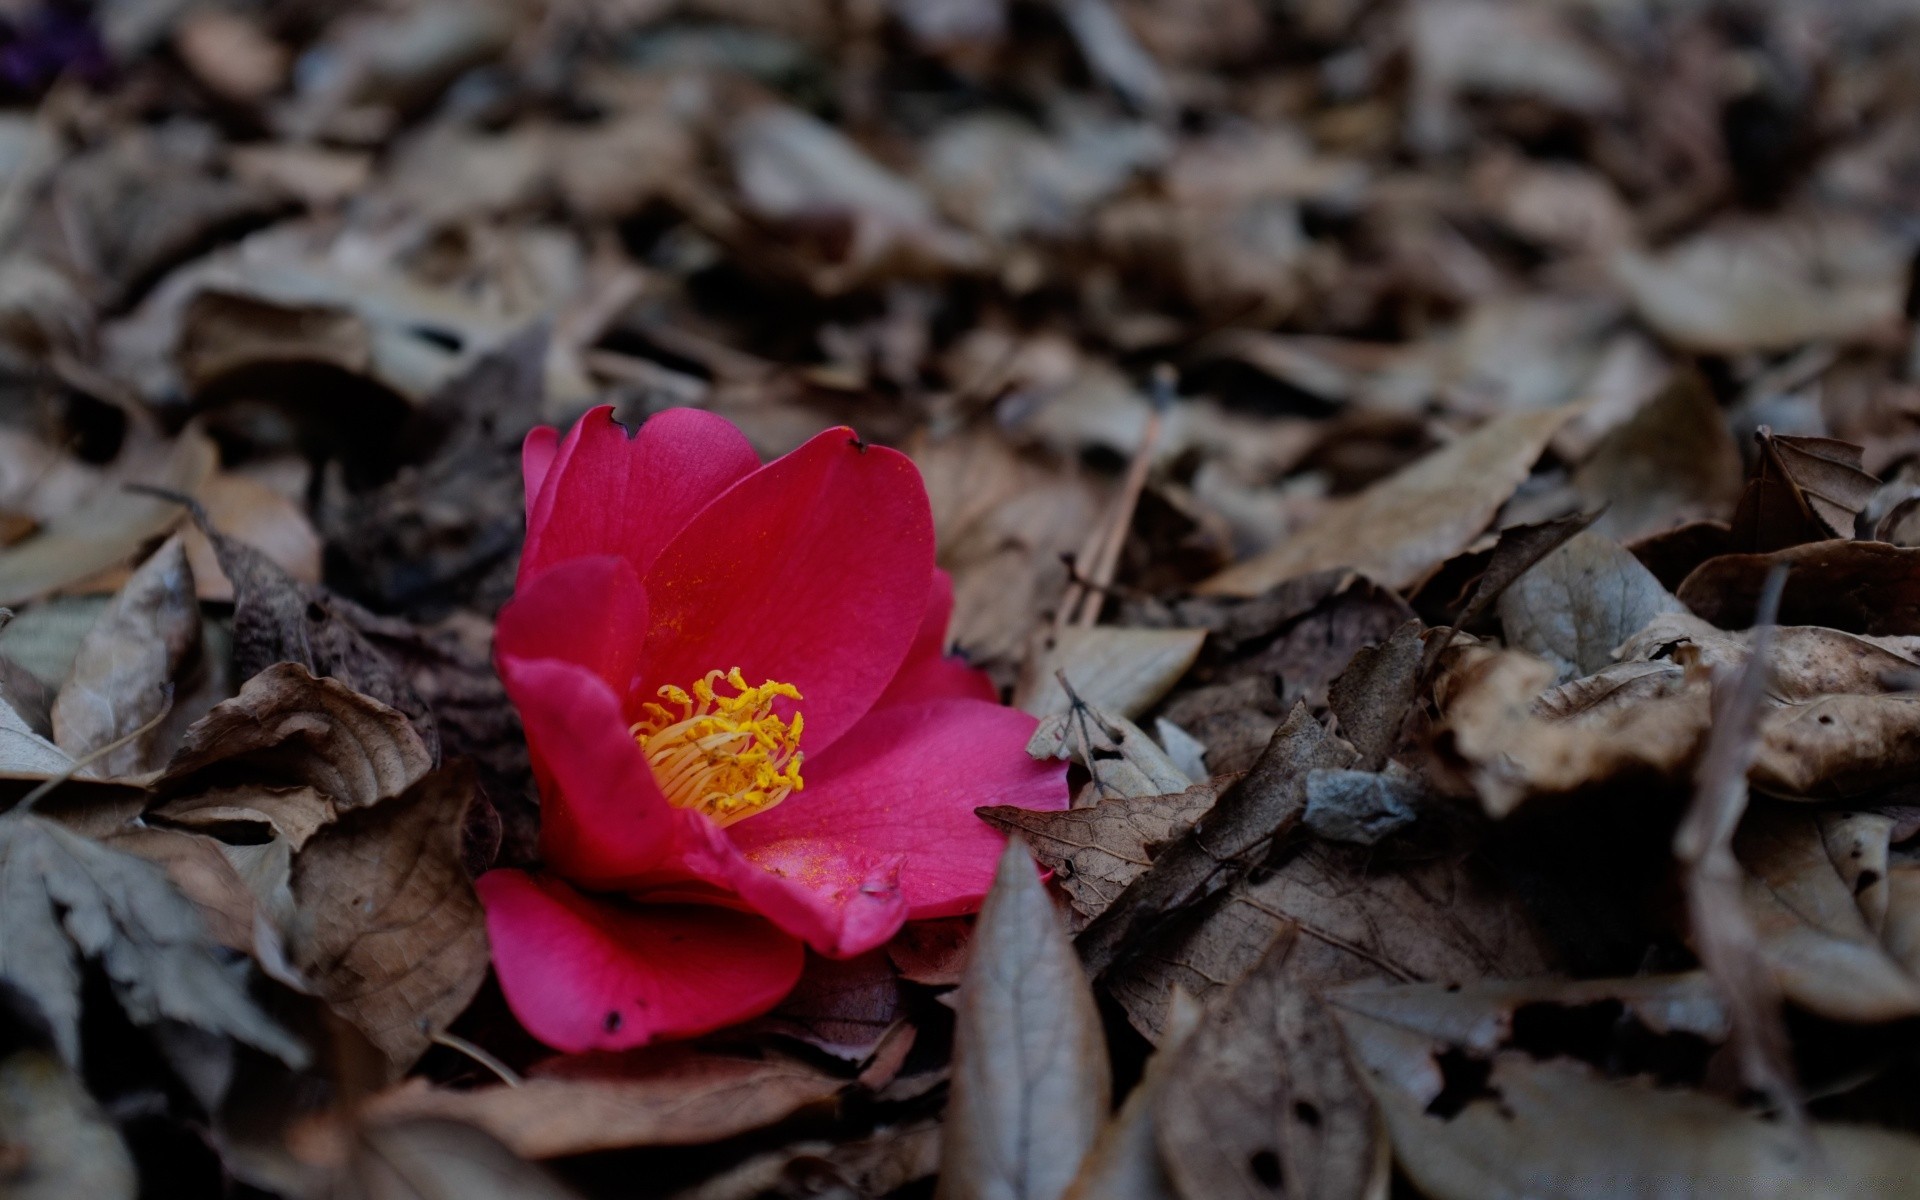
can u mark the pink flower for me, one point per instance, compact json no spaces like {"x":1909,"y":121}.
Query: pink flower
{"x":747,"y":738}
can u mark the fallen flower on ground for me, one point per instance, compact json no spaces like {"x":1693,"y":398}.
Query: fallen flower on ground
{"x":748,"y":737}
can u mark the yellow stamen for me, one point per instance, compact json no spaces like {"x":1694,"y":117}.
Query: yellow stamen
{"x":728,"y":756}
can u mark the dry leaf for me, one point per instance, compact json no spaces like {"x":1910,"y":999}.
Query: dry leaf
{"x":1030,"y":1076}
{"x":1808,"y":489}
{"x":288,"y":729}
{"x":1121,"y":760}
{"x":1673,"y":461}
{"x":124,"y":671}
{"x":662,"y":1096}
{"x":253,"y":513}
{"x":1407,"y":524}
{"x":1860,"y":587}
{"x":1266,"y":802}
{"x":1768,"y":285}
{"x":1262,"y":1091}
{"x":1372,"y":696}
{"x":68,"y":898}
{"x":1125,"y":1161}
{"x":386,"y":924}
{"x":428,"y":1159}
{"x":1120,"y":671}
{"x":1468,"y":1123}
{"x":1095,"y":852}
{"x":1578,"y":604}
{"x":111,"y":526}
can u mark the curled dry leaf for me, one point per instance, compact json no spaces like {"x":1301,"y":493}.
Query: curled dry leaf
{"x":1808,"y":489}
{"x":1859,"y":587}
{"x":661,"y":1096}
{"x":288,"y":729}
{"x":1580,"y":602}
{"x":123,"y":672}
{"x":69,"y":899}
{"x":386,"y":924}
{"x":1030,"y":1075}
{"x":59,"y":1143}
{"x":1095,"y":852}
{"x":1407,"y":524}
{"x":1120,"y":671}
{"x":1673,"y":461}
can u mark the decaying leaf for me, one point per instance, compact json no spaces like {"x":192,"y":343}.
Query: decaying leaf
{"x":1030,"y":1075}
{"x":125,"y":668}
{"x":69,"y":899}
{"x":1125,"y":1162}
{"x":1267,"y":801}
{"x":1860,"y":587}
{"x":1470,"y":1119}
{"x":666,"y":1096}
{"x":111,"y":526}
{"x":1673,"y":461}
{"x":1409,"y":523}
{"x":1120,"y":671}
{"x":1808,"y":489}
{"x":1576,"y":605}
{"x":289,"y":729}
{"x":1095,"y":852}
{"x":386,"y":924}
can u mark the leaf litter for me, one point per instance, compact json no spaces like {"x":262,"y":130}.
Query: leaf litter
{"x":1366,"y":437}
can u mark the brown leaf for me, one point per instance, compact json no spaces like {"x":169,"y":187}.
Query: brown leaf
{"x":59,"y":1143}
{"x":1860,"y":587}
{"x":843,"y":1007}
{"x":386,"y":925}
{"x":203,"y":874}
{"x":1372,"y":696}
{"x":1263,"y":804}
{"x":1808,"y":489}
{"x":1407,"y":524}
{"x":123,"y":674}
{"x":429,"y":1159}
{"x":1824,"y":955}
{"x":932,"y":953}
{"x":277,"y":619}
{"x":1096,"y":852}
{"x":661,"y":1096}
{"x":67,"y":898}
{"x":1358,"y":912}
{"x":1125,"y":1161}
{"x":1470,"y":1119}
{"x":1120,"y":671}
{"x":1580,"y":602}
{"x":288,"y":729}
{"x":1263,"y":1090}
{"x":111,"y":526}
{"x":253,"y":513}
{"x":1030,"y":1075}
{"x":1674,"y":461}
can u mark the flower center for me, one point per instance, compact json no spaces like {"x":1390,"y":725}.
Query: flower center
{"x":728,"y":756}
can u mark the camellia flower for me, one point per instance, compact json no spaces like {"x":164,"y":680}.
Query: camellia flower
{"x":747,"y":737}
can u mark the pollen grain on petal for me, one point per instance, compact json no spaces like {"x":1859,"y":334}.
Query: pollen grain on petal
{"x":730,"y":756}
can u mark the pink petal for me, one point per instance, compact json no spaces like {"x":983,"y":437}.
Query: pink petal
{"x":536,"y":457}
{"x":603,"y":821}
{"x":583,"y":973}
{"x":929,"y":672}
{"x":586,"y":611}
{"x":813,"y":571}
{"x":903,"y":785}
{"x":606,"y":493}
{"x":842,"y":904}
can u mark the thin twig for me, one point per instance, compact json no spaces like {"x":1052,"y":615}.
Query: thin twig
{"x":1085,"y":600}
{"x":453,"y":1041}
